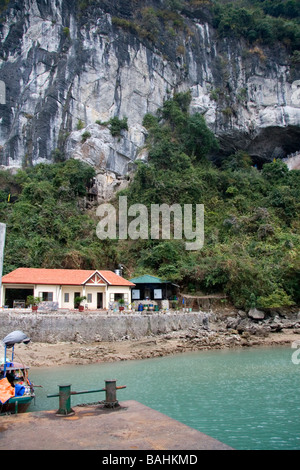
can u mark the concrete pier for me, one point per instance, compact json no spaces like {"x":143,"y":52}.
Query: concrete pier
{"x":131,"y":427}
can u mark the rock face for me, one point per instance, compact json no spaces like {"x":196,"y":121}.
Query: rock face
{"x":64,"y":69}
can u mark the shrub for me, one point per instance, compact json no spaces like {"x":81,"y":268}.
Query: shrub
{"x":278,"y":298}
{"x":85,"y":136}
{"x":66,"y":32}
{"x":149,"y":121}
{"x":275,"y":172}
{"x":117,"y":125}
{"x":80,"y":125}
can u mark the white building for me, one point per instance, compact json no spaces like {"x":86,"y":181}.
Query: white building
{"x":101,"y":288}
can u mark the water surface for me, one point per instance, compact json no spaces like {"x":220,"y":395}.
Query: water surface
{"x":248,"y":399}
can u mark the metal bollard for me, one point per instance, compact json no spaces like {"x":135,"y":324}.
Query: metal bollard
{"x":111,"y":394}
{"x":65,"y":401}
{"x":65,"y":394}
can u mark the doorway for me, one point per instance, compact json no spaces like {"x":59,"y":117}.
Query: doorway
{"x":147,"y":293}
{"x":76,"y":294}
{"x":99,"y":300}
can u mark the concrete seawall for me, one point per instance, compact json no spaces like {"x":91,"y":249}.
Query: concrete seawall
{"x":90,"y":327}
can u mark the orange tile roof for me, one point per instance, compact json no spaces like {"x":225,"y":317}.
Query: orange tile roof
{"x":62,"y":277}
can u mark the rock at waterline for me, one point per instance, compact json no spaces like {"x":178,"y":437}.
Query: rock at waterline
{"x":256,"y":314}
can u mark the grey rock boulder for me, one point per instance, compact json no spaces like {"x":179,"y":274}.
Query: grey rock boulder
{"x":256,"y":314}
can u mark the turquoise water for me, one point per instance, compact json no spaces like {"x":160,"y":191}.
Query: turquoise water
{"x":248,"y":399}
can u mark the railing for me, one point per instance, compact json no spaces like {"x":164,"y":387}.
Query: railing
{"x":65,"y":394}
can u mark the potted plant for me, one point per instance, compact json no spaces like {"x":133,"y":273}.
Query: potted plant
{"x":33,"y":301}
{"x":77,"y":301}
{"x":121,"y":305}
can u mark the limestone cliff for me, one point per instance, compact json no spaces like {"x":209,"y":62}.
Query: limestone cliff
{"x":69,"y":68}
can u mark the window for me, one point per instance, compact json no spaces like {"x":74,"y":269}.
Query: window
{"x":136,"y":294}
{"x":67,"y":298}
{"x":46,"y":296}
{"x":157,"y":294}
{"x":119,"y":297}
{"x":89,"y":298}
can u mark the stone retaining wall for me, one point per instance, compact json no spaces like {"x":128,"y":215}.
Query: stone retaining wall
{"x":61,"y":327}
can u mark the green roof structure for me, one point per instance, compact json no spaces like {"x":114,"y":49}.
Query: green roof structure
{"x":147,"y":279}
{"x":152,"y":287}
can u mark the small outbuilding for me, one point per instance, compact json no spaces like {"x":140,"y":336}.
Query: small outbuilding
{"x":152,"y":288}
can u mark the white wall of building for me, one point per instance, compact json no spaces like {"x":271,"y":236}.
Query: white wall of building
{"x":64,"y":295}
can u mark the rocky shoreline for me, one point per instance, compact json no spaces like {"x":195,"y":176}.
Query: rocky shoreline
{"x":223,"y":330}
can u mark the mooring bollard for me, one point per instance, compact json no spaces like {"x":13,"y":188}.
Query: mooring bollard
{"x":64,"y":401}
{"x":65,"y":394}
{"x":111,"y":393}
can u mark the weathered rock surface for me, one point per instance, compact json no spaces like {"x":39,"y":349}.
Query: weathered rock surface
{"x":256,"y":314}
{"x":63,"y":66}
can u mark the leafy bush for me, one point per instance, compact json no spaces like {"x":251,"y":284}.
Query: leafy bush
{"x":66,"y":32}
{"x":278,"y":298}
{"x":117,"y":125}
{"x":85,"y":136}
{"x":80,"y":125}
{"x":176,"y":138}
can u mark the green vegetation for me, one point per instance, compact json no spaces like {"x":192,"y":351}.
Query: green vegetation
{"x":85,"y":136}
{"x":31,"y":300}
{"x":79,"y":300}
{"x":251,"y":217}
{"x":115,"y":125}
{"x":66,"y":32}
{"x":80,"y":125}
{"x":177,"y":138}
{"x":260,"y":21}
{"x":47,"y":224}
{"x":252,"y":240}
